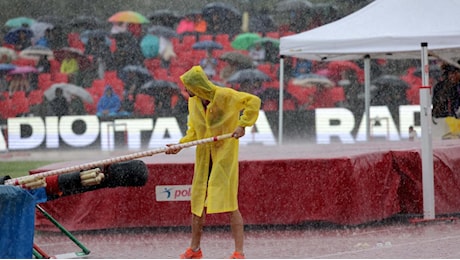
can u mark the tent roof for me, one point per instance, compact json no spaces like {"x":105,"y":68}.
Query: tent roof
{"x":390,"y":29}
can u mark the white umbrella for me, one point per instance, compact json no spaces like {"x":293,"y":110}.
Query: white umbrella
{"x":34,"y":52}
{"x":69,"y":90}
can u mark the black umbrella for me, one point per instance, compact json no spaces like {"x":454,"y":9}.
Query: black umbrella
{"x":140,"y":73}
{"x":164,"y":17}
{"x":234,"y":57}
{"x":163,"y":31}
{"x":162,"y":91}
{"x":87,"y":22}
{"x":249,"y":75}
{"x":293,"y":5}
{"x":207,"y":45}
{"x":222,"y":18}
{"x":159,"y":88}
{"x":389,"y":89}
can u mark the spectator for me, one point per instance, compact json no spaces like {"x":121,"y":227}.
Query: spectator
{"x":446,"y":97}
{"x":70,"y":66}
{"x":109,"y":104}
{"x":199,"y":24}
{"x":76,"y":106}
{"x":19,"y":82}
{"x":186,"y":25}
{"x":43,"y":64}
{"x":412,"y":133}
{"x":257,"y":53}
{"x":59,"y":105}
{"x":209,"y":64}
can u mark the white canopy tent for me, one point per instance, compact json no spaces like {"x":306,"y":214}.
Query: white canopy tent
{"x":388,"y":29}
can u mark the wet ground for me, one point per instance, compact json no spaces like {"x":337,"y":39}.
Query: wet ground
{"x":390,"y":240}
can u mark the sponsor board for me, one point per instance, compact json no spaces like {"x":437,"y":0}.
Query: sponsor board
{"x":173,"y":192}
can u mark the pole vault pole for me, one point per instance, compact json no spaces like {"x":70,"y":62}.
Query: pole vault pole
{"x":23,"y":181}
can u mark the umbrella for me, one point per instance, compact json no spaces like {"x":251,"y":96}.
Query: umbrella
{"x":244,"y":61}
{"x":150,"y":46}
{"x":99,"y":34}
{"x":266,"y":42}
{"x":139,"y":72}
{"x":222,"y":18}
{"x":387,"y":90}
{"x":13,"y":35}
{"x":52,"y":19}
{"x":61,"y":54}
{"x":68,"y":90}
{"x":7,"y":54}
{"x":128,"y":17}
{"x":35,"y":52}
{"x":6,"y":67}
{"x":159,"y":88}
{"x":290,"y":5}
{"x":164,"y":17}
{"x":164,"y":31}
{"x":207,"y":45}
{"x":19,"y":22}
{"x":23,"y":70}
{"x":262,"y":22}
{"x":245,"y":40}
{"x":88,"y":22}
{"x":249,"y":75}
{"x":39,"y":29}
{"x":312,"y":80}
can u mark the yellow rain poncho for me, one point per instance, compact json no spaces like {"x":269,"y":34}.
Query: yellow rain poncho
{"x":228,"y":109}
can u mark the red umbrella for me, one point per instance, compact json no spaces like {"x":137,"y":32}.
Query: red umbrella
{"x":83,"y":60}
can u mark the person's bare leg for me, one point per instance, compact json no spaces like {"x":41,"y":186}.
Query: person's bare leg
{"x":236,"y":222}
{"x":197,"y":230}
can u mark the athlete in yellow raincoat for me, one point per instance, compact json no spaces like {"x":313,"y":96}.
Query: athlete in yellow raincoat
{"x":214,"y":111}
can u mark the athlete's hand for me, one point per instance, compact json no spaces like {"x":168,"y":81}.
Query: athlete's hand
{"x":239,"y":132}
{"x":172,"y":150}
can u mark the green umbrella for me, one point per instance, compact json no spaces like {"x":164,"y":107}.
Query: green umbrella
{"x":244,"y":40}
{"x":19,"y":21}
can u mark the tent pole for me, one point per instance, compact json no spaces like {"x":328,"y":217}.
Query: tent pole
{"x":281,"y":100}
{"x":367,"y":94}
{"x":427,"y":149}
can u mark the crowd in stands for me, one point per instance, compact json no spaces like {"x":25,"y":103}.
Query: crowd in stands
{"x":113,"y":66}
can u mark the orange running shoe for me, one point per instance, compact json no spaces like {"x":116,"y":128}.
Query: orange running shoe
{"x":190,"y":254}
{"x":237,"y":255}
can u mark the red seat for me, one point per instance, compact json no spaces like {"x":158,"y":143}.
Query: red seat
{"x":206,"y":37}
{"x":55,"y":66}
{"x":152,"y":64}
{"x":99,"y":85}
{"x":5,"y":109}
{"x":188,"y":41}
{"x":19,"y":103}
{"x":44,"y":81}
{"x":144,"y":105}
{"x":35,"y":97}
{"x":275,"y":34}
{"x":59,"y":78}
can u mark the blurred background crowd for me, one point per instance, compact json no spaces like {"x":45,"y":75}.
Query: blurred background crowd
{"x":127,"y":62}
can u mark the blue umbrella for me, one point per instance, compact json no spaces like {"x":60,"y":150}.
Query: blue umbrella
{"x":12,"y":36}
{"x":150,"y":45}
{"x":6,"y":67}
{"x":207,"y":45}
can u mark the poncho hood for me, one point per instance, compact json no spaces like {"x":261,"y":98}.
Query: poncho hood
{"x":196,"y":82}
